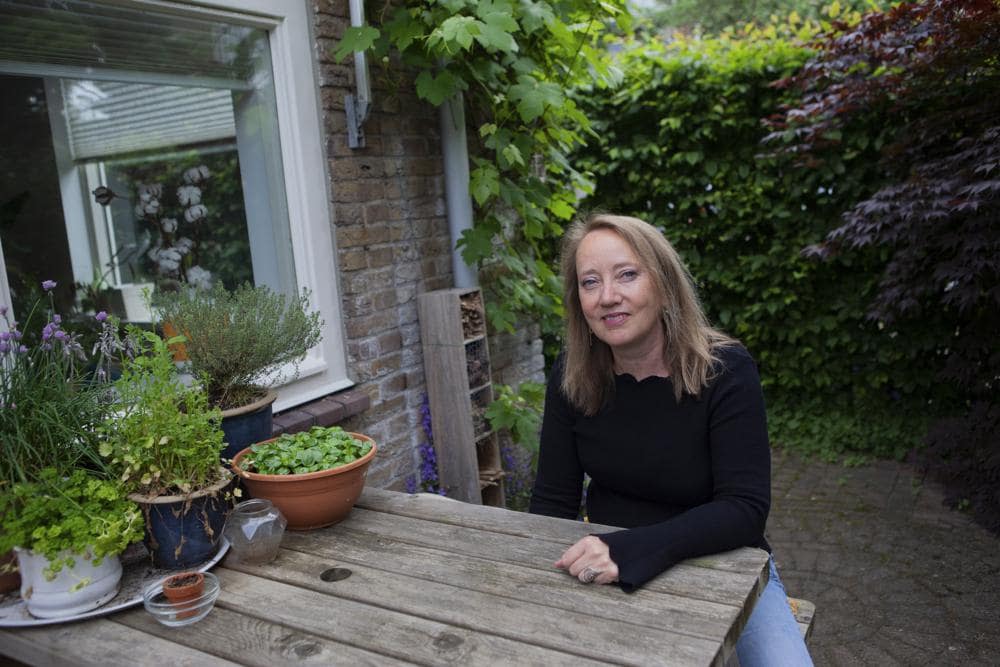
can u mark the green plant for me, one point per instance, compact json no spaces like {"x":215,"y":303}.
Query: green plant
{"x":51,"y":393}
{"x":519,"y":411}
{"x":512,"y":62}
{"x":165,"y":437}
{"x":236,"y":340}
{"x":61,"y":517}
{"x":319,"y":448}
{"x":928,"y":72}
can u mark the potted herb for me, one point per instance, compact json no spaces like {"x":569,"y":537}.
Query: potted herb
{"x":67,"y":532}
{"x":164,"y":445}
{"x":313,"y":477}
{"x":51,"y":396}
{"x":237,"y":342}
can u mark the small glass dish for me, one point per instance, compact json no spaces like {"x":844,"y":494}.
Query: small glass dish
{"x":176,"y":614}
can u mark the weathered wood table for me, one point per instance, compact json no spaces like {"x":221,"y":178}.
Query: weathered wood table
{"x":429,"y":581}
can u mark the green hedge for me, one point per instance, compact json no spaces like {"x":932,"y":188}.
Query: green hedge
{"x":679,"y":145}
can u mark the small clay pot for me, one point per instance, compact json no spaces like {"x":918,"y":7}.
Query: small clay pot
{"x":182,"y":588}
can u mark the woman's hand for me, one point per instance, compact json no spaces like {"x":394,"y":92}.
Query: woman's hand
{"x":589,"y":560}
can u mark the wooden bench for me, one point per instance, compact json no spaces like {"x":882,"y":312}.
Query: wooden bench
{"x":805,"y":613}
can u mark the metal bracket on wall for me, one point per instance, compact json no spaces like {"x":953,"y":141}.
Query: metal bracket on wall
{"x":357,"y":112}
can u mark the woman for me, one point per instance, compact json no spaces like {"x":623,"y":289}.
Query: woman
{"x":666,"y":416}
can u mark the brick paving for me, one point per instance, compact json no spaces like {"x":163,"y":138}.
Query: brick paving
{"x":897,"y":578}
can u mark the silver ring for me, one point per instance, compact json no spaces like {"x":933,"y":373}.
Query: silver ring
{"x":588,"y":575}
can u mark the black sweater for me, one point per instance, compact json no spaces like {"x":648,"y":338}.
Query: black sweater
{"x":686,"y":479}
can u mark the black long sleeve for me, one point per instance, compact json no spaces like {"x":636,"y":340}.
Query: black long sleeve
{"x":685,"y":479}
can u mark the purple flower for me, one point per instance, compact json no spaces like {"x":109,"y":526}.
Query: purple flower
{"x":5,"y":335}
{"x":4,"y":347}
{"x":49,"y":330}
{"x":101,"y":316}
{"x":23,"y":349}
{"x":57,"y":318}
{"x":48,"y":285}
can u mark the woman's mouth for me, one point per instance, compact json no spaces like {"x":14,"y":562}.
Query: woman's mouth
{"x":614,"y":319}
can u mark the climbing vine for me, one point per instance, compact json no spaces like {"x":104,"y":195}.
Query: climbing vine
{"x":512,"y":62}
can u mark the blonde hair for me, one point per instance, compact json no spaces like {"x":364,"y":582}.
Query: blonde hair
{"x":691,"y":344}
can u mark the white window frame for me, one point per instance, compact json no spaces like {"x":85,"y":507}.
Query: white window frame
{"x":304,"y":168}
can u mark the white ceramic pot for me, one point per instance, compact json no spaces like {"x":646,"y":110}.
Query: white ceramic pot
{"x":57,"y":598}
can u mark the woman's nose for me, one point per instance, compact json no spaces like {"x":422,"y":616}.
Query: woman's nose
{"x":609,"y":294}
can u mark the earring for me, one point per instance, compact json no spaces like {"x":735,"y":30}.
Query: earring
{"x":591,"y":339}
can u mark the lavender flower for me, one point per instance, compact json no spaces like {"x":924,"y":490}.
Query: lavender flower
{"x":48,"y":285}
{"x":101,"y":316}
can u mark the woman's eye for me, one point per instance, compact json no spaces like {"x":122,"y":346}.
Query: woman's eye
{"x":630,"y":274}
{"x":588,"y":283}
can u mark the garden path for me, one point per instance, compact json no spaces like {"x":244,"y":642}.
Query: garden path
{"x":897,"y":578}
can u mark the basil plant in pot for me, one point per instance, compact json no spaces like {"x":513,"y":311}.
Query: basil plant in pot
{"x":164,"y":444}
{"x":239,"y":342}
{"x":314,"y":477}
{"x":67,"y":532}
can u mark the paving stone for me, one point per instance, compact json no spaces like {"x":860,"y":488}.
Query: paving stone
{"x":897,"y":577}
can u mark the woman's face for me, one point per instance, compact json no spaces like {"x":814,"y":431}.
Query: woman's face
{"x":618,"y":297}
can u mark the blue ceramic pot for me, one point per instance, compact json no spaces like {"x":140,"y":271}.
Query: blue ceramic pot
{"x":247,"y":425}
{"x":182,"y":531}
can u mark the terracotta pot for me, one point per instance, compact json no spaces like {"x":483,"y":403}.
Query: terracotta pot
{"x":182,"y":588}
{"x":178,"y":349}
{"x":314,"y":499}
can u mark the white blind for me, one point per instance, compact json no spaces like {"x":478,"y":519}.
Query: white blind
{"x":81,"y":34}
{"x":107,"y":118}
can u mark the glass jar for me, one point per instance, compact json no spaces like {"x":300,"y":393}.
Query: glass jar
{"x":254,"y":530}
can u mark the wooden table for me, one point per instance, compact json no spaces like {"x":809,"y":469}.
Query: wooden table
{"x":431,"y":581}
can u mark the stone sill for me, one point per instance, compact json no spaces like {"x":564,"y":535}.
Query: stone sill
{"x":325,"y":411}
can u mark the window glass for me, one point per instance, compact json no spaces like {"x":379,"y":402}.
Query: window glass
{"x":141,"y":151}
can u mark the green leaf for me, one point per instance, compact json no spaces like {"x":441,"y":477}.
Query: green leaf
{"x":496,"y":33}
{"x":437,"y":89}
{"x":458,"y":29}
{"x":356,"y":38}
{"x":484,"y":183}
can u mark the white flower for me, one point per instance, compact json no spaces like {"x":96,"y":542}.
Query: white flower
{"x":196,"y":174}
{"x":149,"y":191}
{"x":184,"y":245}
{"x":199,"y":277}
{"x":167,"y":259}
{"x":195,"y":213}
{"x":189,"y":195}
{"x":152,"y":207}
{"x":169,"y":225}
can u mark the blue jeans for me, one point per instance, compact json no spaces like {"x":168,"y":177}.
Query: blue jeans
{"x":771,"y":636}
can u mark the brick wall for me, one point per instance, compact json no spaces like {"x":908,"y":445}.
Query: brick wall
{"x":392,"y":240}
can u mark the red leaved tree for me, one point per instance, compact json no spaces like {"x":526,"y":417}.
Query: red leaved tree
{"x":924,"y":78}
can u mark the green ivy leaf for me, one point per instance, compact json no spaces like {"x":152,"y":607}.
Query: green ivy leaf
{"x":458,"y":29}
{"x":437,"y":89}
{"x":356,"y":38}
{"x":496,"y":33}
{"x":484,"y":183}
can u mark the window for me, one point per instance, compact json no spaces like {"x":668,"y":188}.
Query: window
{"x":148,"y":144}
